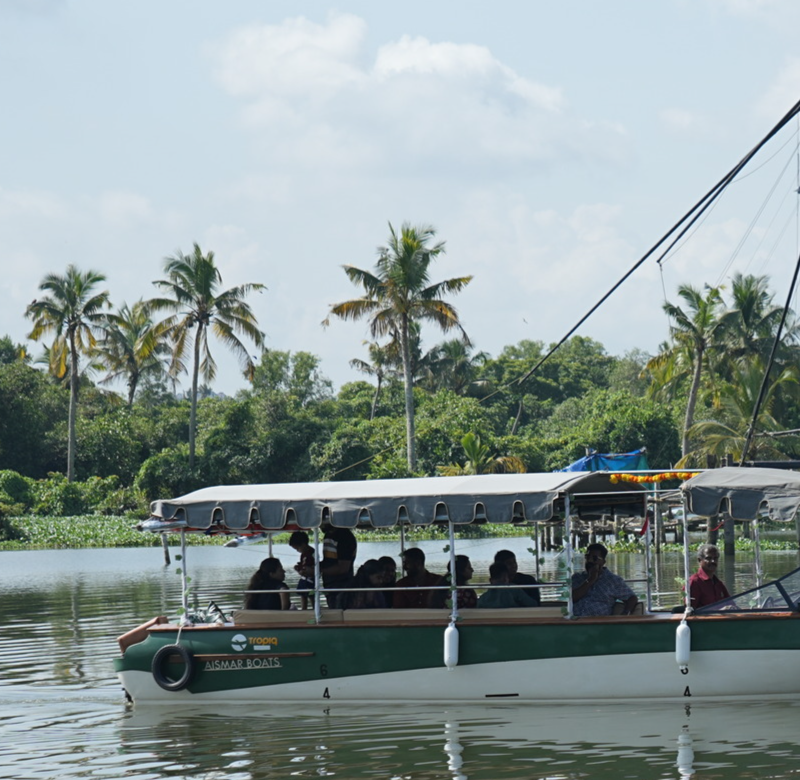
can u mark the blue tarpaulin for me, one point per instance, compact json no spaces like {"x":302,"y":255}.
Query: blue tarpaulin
{"x":625,"y":461}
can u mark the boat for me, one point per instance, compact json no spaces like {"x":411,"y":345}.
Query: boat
{"x":744,"y":650}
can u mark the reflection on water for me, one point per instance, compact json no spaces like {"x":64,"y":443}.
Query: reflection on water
{"x":62,"y":712}
{"x":94,"y":737}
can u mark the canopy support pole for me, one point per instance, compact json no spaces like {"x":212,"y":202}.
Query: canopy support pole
{"x":453,"y":583}
{"x":317,"y":580}
{"x":184,"y":579}
{"x":648,"y":557}
{"x":536,"y":547}
{"x":687,"y":572}
{"x":757,"y":543}
{"x":568,"y":552}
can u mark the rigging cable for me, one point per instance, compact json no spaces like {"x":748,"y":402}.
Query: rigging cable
{"x":700,"y":207}
{"x":754,"y":221}
{"x":763,"y":391}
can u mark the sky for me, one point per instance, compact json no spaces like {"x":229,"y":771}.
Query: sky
{"x":549,"y":144}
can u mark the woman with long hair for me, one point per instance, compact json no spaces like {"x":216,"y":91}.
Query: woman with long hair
{"x":269,"y":577}
{"x":369,"y":575}
{"x":466,"y":597}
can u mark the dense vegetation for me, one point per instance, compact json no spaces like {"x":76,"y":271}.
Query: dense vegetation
{"x":70,"y":447}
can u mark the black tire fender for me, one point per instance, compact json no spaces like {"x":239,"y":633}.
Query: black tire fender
{"x":159,"y":665}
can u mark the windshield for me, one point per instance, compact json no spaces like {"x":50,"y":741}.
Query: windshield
{"x":780,"y":594}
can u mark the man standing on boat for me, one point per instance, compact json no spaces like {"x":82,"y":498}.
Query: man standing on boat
{"x":595,"y":590}
{"x":338,"y":556}
{"x":704,"y":587}
{"x":417,"y":577}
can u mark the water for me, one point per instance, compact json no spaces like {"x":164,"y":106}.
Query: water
{"x":62,"y":711}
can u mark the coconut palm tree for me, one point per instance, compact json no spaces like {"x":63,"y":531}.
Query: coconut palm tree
{"x":452,"y":365}
{"x":132,"y":347}
{"x":193,"y":285}
{"x":73,"y":312}
{"x":726,"y":436}
{"x":751,"y":321}
{"x":481,"y":461}
{"x":397,"y":295}
{"x":379,"y":366}
{"x":696,"y":333}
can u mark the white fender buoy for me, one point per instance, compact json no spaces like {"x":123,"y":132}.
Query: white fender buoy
{"x":451,"y":646}
{"x":683,"y":646}
{"x":685,"y":753}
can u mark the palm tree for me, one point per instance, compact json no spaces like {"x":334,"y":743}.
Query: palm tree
{"x":481,"y":461}
{"x":750,"y":323}
{"x":379,"y":366}
{"x":696,"y":333}
{"x":397,"y":295}
{"x":451,"y":365}
{"x":73,"y":312}
{"x":132,"y":347}
{"x":737,"y":402}
{"x":193,"y":283}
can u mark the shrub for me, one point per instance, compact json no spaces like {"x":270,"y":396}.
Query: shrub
{"x":16,"y":487}
{"x":57,"y":497}
{"x":167,"y":474}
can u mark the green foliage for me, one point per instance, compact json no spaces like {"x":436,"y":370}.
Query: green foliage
{"x":610,"y":421}
{"x":167,"y":474}
{"x":107,"y":496}
{"x":48,"y":533}
{"x":108,"y":445}
{"x":32,"y":407}
{"x":11,"y":352}
{"x":56,"y":496}
{"x":346,"y":454}
{"x":295,"y":375}
{"x":16,"y":487}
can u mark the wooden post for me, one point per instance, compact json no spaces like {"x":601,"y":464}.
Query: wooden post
{"x":712,"y":532}
{"x":165,"y":546}
{"x":796,"y":528}
{"x":729,"y":536}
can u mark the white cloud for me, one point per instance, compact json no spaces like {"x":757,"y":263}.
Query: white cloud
{"x":16,"y":204}
{"x":295,"y":58}
{"x":314,"y":103}
{"x":473,"y":65}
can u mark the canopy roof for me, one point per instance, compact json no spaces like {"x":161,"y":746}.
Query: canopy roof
{"x":744,"y":493}
{"x":494,"y":498}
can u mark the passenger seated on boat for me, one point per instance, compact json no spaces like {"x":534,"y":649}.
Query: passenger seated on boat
{"x":389,"y":568}
{"x":704,"y":587}
{"x":304,"y":567}
{"x":269,"y":576}
{"x":338,"y":557}
{"x":369,"y":575}
{"x":466,"y":597}
{"x":515,"y":577}
{"x":595,"y":590}
{"x":503,"y":597}
{"x":416,"y":578}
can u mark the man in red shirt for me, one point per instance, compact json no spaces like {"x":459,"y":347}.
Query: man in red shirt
{"x":704,"y":587}
{"x":417,"y":577}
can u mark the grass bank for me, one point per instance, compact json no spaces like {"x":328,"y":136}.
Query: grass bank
{"x":53,"y":533}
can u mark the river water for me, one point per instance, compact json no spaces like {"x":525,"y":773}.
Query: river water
{"x":63,"y":713}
